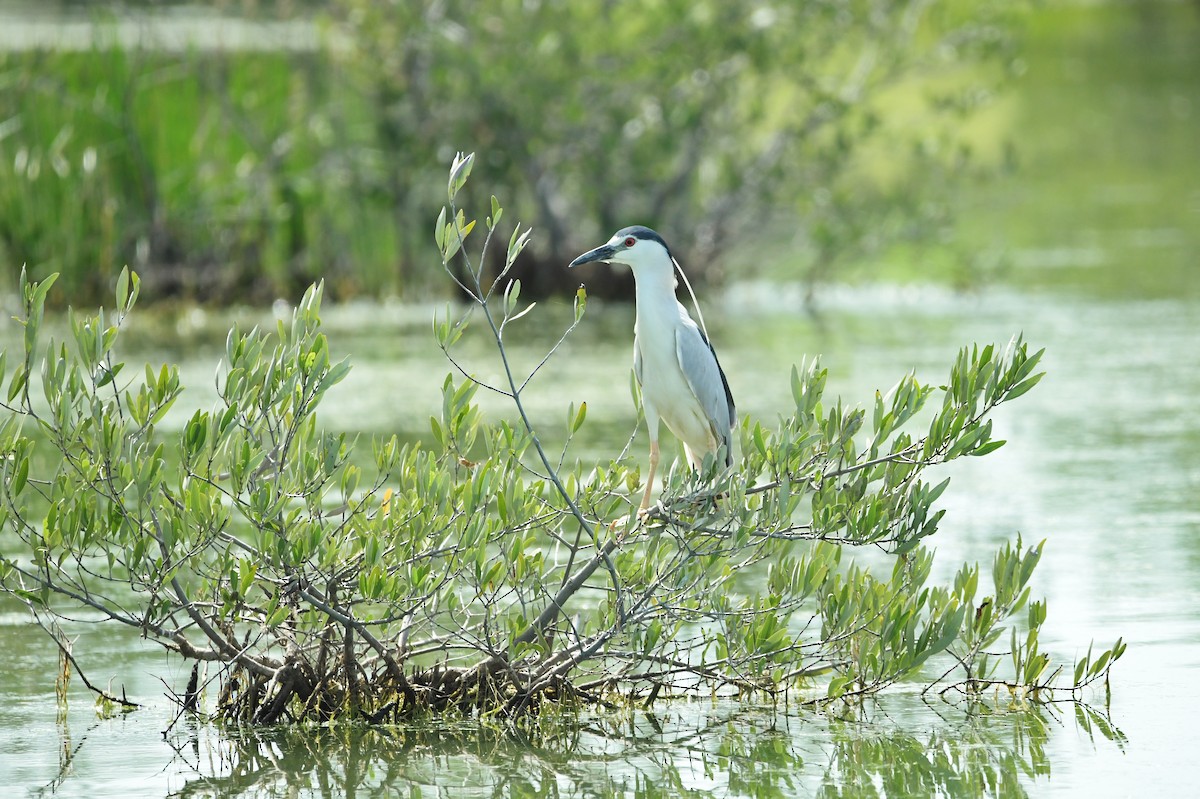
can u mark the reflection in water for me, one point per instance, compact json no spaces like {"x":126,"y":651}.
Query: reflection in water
{"x":1104,"y":460}
{"x":977,"y":749}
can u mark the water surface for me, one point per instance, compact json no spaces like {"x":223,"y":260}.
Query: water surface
{"x":1102,"y":461}
{"x":1102,"y":228}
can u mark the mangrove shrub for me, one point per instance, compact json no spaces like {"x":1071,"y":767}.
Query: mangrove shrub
{"x":479,"y":574}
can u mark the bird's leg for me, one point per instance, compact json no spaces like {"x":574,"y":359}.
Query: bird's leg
{"x":649,"y":479}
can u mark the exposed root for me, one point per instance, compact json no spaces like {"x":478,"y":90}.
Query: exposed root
{"x":296,"y":693}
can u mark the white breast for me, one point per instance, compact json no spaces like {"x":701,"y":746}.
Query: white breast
{"x":665,"y":390}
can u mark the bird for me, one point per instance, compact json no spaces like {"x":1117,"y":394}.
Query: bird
{"x":675,"y":365}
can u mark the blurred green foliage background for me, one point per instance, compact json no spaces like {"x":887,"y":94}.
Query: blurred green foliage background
{"x":237,"y":152}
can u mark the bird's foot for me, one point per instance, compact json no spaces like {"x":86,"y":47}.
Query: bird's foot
{"x":641,"y":517}
{"x":648,"y":516}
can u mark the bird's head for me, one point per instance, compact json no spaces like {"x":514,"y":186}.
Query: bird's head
{"x":639,"y":248}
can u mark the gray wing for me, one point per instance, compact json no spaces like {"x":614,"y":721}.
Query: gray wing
{"x":707,"y":380}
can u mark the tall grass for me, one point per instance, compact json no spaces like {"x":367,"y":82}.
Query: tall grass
{"x":217,"y":175}
{"x":243,"y":174}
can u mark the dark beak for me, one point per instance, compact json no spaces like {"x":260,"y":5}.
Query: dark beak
{"x":599,"y":254}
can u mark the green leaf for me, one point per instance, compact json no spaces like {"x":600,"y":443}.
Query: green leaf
{"x":18,"y":381}
{"x":439,"y":231}
{"x":521,"y":313}
{"x":460,"y":170}
{"x":195,"y":433}
{"x":1023,"y":386}
{"x":21,"y":476}
{"x":511,"y":292}
{"x":984,"y":449}
{"x":838,"y":685}
{"x":1080,"y":666}
{"x":43,"y":288}
{"x":516,"y":244}
{"x":108,"y":375}
{"x":653,"y":635}
{"x":934,"y":493}
{"x":453,"y":241}
{"x":1101,"y":662}
{"x":580,"y":303}
{"x":952,"y":626}
{"x":123,"y":287}
{"x":247,"y":570}
{"x":135,"y":290}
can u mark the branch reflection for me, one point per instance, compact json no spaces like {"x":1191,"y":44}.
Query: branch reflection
{"x":885,"y":748}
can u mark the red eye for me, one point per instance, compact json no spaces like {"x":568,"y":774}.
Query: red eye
{"x":630,"y":241}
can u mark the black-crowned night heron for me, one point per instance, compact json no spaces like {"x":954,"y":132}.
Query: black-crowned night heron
{"x":676,"y":366}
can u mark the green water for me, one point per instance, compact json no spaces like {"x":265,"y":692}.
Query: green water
{"x":1102,"y":234}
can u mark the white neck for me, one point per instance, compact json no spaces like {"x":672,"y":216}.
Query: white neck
{"x":654,"y":287}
